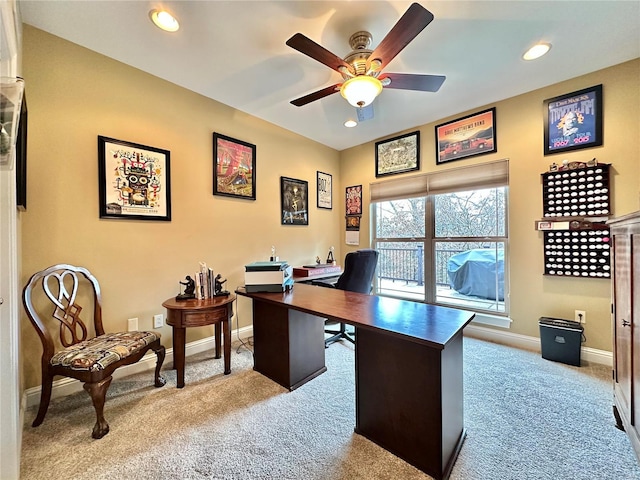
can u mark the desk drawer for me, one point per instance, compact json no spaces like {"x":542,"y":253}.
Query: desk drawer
{"x":196,"y":319}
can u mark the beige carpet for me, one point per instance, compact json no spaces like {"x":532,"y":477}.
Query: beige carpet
{"x":526,"y":418}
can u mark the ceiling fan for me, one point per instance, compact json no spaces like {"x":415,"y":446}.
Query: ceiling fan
{"x":362,"y":68}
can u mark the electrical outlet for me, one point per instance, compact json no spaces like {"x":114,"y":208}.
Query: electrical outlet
{"x":580,"y":316}
{"x":158,"y":321}
{"x":132,"y":324}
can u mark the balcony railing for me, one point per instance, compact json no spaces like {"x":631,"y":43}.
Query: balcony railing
{"x":407,"y":264}
{"x":402,"y":264}
{"x":401,"y":273}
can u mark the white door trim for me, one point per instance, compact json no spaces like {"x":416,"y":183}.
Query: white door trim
{"x":10,"y":405}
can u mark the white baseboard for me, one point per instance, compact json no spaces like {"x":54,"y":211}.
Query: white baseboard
{"x":493,"y":320}
{"x":533,"y":343}
{"x":67,"y":386}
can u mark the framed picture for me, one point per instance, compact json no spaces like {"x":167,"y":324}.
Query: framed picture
{"x":573,"y":121}
{"x":466,"y":137}
{"x":353,"y":199}
{"x":325,"y":188}
{"x":134,"y":181}
{"x":294,"y":201}
{"x":398,"y":155}
{"x":21,"y":157}
{"x":353,"y":223}
{"x":234,"y":167}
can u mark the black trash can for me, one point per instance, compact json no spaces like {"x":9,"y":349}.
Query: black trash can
{"x":560,"y":340}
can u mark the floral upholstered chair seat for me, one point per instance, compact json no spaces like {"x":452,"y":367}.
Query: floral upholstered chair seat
{"x":98,"y":353}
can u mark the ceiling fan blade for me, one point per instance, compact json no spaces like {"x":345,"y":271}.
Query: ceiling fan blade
{"x":410,"y":81}
{"x":414,"y":20}
{"x":365,"y":113}
{"x":317,"y":52}
{"x":312,"y":97}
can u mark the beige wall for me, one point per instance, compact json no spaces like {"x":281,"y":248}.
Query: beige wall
{"x":519,"y":138}
{"x":75,"y":95}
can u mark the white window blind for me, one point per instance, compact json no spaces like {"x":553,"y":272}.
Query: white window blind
{"x":483,"y":175}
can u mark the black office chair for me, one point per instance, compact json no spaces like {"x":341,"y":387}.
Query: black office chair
{"x":359,"y":268}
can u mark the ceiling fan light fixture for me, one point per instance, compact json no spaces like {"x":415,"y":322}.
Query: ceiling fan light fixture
{"x":164,"y":20}
{"x":360,"y":91}
{"x":536,"y":51}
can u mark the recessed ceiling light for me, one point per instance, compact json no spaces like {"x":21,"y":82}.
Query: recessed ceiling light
{"x":536,"y":51}
{"x":164,"y":20}
{"x":350,"y":123}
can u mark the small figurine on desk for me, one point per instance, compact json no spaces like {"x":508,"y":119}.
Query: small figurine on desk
{"x":189,"y":290}
{"x":219,"y":292}
{"x":330,"y":259}
{"x":317,"y":260}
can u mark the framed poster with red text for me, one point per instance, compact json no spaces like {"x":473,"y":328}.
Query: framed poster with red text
{"x":353,"y":197}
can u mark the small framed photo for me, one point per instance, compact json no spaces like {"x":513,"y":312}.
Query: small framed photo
{"x":294,"y":201}
{"x":353,"y":200}
{"x":134,"y":181}
{"x":325,"y":188}
{"x":353,"y":223}
{"x":573,"y":121}
{"x":398,"y":155}
{"x":466,"y":137}
{"x":234,"y":167}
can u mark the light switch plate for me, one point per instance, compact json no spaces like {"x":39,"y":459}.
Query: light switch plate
{"x":132,"y":324}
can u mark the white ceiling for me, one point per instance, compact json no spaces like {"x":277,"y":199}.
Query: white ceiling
{"x":235,"y":52}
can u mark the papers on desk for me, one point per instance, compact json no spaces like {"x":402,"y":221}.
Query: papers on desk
{"x":264,"y":277}
{"x":270,"y":287}
{"x":266,"y":266}
{"x":268,"y":277}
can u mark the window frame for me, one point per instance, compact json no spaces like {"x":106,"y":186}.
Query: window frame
{"x":447,"y":185}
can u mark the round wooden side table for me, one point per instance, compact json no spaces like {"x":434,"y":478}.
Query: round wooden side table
{"x":182,"y":314}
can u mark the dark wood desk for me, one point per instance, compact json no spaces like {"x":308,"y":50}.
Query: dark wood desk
{"x":409,"y":385}
{"x":197,"y":313}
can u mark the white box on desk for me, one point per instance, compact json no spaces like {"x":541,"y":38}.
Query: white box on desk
{"x":270,"y":287}
{"x":266,"y":277}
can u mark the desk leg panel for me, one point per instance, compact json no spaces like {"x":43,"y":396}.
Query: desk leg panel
{"x":401,"y":396}
{"x":288,"y":345}
{"x":453,"y":431}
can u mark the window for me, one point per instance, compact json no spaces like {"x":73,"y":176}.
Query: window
{"x":445,"y":242}
{"x":468,"y":248}
{"x":400,"y":241}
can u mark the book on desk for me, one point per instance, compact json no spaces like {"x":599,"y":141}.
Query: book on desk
{"x":316,"y":270}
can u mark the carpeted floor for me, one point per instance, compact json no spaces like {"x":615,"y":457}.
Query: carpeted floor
{"x":526,"y":418}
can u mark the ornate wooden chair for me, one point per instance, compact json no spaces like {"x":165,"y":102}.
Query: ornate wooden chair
{"x":86,"y":354}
